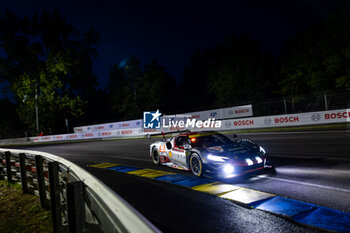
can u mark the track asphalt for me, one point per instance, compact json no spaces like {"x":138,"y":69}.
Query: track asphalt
{"x":313,"y":167}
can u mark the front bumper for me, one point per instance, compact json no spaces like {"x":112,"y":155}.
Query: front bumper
{"x":218,"y":171}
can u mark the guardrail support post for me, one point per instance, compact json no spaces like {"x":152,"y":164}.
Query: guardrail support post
{"x":8,"y":166}
{"x":285,"y":105}
{"x":55,"y":197}
{"x":22,"y":166}
{"x":325,"y":101}
{"x":2,"y":175}
{"x":75,"y":207}
{"x":41,"y":181}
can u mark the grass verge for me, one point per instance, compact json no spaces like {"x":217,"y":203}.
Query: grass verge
{"x":21,"y":212}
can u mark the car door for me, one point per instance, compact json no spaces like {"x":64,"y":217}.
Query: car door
{"x":178,"y":153}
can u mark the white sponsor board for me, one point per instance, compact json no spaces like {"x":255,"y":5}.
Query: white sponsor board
{"x":91,"y":135}
{"x":109,"y":126}
{"x":222,"y":113}
{"x":299,"y":119}
{"x":236,"y":112}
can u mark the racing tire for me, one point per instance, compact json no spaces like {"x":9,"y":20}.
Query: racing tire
{"x":196,"y":165}
{"x":155,"y":156}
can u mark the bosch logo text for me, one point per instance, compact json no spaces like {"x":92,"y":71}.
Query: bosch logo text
{"x":337,"y":115}
{"x":286,"y":119}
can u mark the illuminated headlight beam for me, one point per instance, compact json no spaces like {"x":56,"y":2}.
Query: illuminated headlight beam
{"x":228,"y":169}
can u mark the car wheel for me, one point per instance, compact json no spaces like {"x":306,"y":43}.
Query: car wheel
{"x":196,"y":165}
{"x":155,"y":156}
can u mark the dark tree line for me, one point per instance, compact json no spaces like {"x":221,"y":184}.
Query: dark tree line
{"x":46,"y":61}
{"x":318,"y":58}
{"x":133,"y":89}
{"x":235,"y":71}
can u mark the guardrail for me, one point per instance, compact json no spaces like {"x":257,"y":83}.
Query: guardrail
{"x":79,"y":202}
{"x":14,"y":141}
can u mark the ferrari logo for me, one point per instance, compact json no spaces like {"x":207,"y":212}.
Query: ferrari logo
{"x":170,"y":154}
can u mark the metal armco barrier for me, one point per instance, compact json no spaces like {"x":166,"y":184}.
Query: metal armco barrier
{"x":79,"y":202}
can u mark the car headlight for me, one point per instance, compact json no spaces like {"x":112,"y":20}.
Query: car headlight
{"x":249,"y":162}
{"x":258,"y":159}
{"x":262,"y":150}
{"x":228,"y":169}
{"x":217,"y":158}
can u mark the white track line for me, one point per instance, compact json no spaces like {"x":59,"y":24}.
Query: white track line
{"x":307,"y":184}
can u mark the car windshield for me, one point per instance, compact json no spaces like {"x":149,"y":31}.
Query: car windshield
{"x":211,"y":140}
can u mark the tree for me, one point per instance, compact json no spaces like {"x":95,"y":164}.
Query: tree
{"x":123,"y":89}
{"x":317,"y":58}
{"x":194,"y":92}
{"x":133,"y":89}
{"x":48,"y":56}
{"x":235,"y":71}
{"x":158,"y":88}
{"x":46,"y":92}
{"x":9,"y":122}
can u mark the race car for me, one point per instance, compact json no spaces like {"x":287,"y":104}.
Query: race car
{"x":210,"y":154}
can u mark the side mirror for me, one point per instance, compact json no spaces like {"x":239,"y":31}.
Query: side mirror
{"x":168,"y":145}
{"x":187,"y":146}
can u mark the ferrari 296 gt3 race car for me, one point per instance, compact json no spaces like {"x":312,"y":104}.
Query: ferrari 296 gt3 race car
{"x":210,"y":154}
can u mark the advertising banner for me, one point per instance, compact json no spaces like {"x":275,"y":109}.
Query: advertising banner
{"x":109,"y":126}
{"x":299,"y":119}
{"x":236,"y":112}
{"x":222,"y":113}
{"x":309,"y":118}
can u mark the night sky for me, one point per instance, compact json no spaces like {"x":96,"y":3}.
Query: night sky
{"x":169,"y":30}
